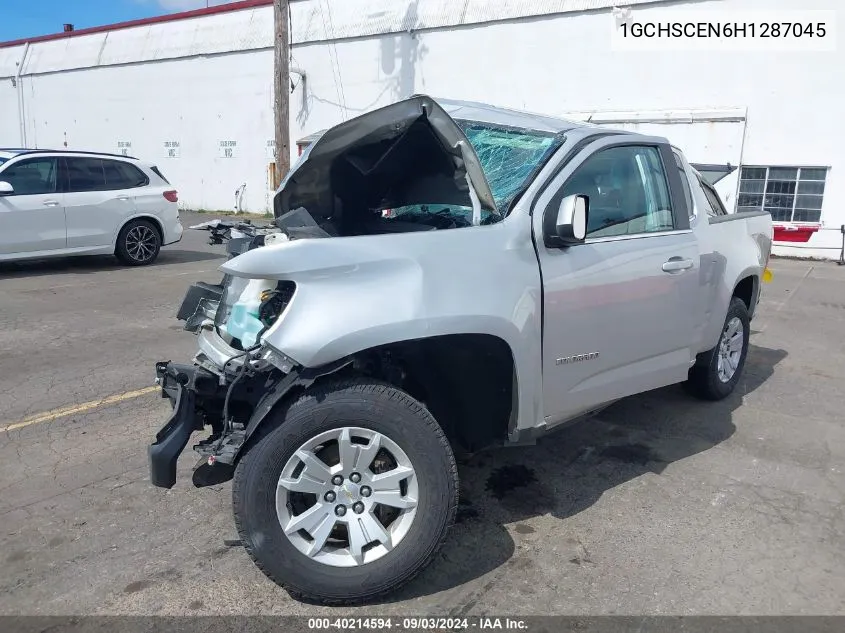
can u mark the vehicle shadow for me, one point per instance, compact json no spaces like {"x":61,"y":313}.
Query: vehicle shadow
{"x":570,"y":469}
{"x":181,"y":256}
{"x":87,"y":264}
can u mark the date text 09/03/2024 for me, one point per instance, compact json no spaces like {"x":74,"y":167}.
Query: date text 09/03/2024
{"x":417,"y":624}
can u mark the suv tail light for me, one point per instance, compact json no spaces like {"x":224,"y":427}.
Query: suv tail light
{"x":171,"y":196}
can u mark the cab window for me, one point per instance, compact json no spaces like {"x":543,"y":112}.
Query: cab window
{"x":627,"y":190}
{"x":32,"y":176}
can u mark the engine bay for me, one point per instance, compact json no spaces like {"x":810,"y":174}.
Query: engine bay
{"x":406,"y":172}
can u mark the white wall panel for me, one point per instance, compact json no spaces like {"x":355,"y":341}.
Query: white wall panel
{"x":320,"y":20}
{"x":9,"y":121}
{"x":705,"y":136}
{"x":9,"y":58}
{"x":197,"y":102}
{"x":221,"y":33}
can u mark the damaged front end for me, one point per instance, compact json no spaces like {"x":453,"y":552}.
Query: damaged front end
{"x":405,"y":168}
{"x":411,"y":156}
{"x":232,"y":403}
{"x":233,"y":381}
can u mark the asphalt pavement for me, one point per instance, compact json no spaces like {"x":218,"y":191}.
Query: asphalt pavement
{"x":661,"y":505}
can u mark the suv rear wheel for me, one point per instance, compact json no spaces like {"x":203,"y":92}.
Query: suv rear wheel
{"x":349,"y":493}
{"x":138,"y":243}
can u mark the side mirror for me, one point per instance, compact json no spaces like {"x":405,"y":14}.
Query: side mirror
{"x":6,"y":188}
{"x":571,"y":223}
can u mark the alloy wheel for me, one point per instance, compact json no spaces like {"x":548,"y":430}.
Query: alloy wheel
{"x":730,"y":349}
{"x":347,"y":497}
{"x":141,"y":243}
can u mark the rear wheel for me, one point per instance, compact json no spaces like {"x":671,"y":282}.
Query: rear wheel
{"x":138,"y":243}
{"x":717,"y":371}
{"x":349,"y":493}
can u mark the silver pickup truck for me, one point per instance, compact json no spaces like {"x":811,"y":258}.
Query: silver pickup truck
{"x":443,"y":277}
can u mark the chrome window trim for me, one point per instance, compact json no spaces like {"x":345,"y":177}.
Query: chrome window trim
{"x":634,"y":236}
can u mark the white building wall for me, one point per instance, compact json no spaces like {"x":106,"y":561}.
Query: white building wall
{"x":9,"y":105}
{"x":196,"y":102}
{"x":205,"y":80}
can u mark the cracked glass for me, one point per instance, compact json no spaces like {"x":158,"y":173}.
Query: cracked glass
{"x":510,"y":157}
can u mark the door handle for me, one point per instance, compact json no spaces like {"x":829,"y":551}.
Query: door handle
{"x":123,"y":198}
{"x":676,"y":265}
{"x":51,"y":203}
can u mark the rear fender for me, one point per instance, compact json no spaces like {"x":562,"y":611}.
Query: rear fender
{"x":723,"y":300}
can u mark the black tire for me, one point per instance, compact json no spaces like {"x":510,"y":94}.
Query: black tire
{"x":138,"y":243}
{"x":704,"y":380}
{"x":359,"y":403}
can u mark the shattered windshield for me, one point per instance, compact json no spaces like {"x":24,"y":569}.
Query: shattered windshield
{"x":509,"y":156}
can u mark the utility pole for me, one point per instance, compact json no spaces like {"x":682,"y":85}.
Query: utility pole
{"x":281,"y":74}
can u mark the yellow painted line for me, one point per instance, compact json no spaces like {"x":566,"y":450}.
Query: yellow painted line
{"x":48,"y":416}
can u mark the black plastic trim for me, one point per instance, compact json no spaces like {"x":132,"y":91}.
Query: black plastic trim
{"x":172,"y":438}
{"x":303,"y":377}
{"x":196,"y":293}
{"x":676,"y":188}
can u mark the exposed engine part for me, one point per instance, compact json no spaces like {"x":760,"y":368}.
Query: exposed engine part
{"x":273,"y":302}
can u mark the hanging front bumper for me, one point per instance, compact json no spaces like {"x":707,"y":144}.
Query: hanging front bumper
{"x":182,"y":385}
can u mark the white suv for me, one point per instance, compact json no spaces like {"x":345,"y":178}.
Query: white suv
{"x":59,"y":203}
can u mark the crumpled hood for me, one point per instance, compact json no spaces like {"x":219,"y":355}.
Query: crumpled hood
{"x":305,"y":184}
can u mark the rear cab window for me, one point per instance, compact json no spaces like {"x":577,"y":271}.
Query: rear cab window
{"x":715,"y":208}
{"x":707,"y":200}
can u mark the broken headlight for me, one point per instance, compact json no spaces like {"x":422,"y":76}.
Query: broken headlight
{"x":232,"y":289}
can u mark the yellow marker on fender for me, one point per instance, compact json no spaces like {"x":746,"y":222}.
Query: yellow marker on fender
{"x":767,"y":275}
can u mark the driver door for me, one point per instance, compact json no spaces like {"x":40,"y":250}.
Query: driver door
{"x":619,"y":308}
{"x":32,"y":218}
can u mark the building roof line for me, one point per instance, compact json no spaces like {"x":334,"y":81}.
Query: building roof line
{"x":158,"y":19}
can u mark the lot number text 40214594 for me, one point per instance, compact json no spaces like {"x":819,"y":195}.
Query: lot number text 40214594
{"x":401,"y":625}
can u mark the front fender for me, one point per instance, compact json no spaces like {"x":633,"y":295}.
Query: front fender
{"x":355,"y":293}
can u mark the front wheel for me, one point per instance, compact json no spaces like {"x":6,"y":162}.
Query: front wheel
{"x":348,"y":494}
{"x":717,"y":371}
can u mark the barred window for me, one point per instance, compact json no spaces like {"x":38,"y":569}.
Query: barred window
{"x":790,"y":194}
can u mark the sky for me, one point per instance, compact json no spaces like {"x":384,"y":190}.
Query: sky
{"x":21,"y":19}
